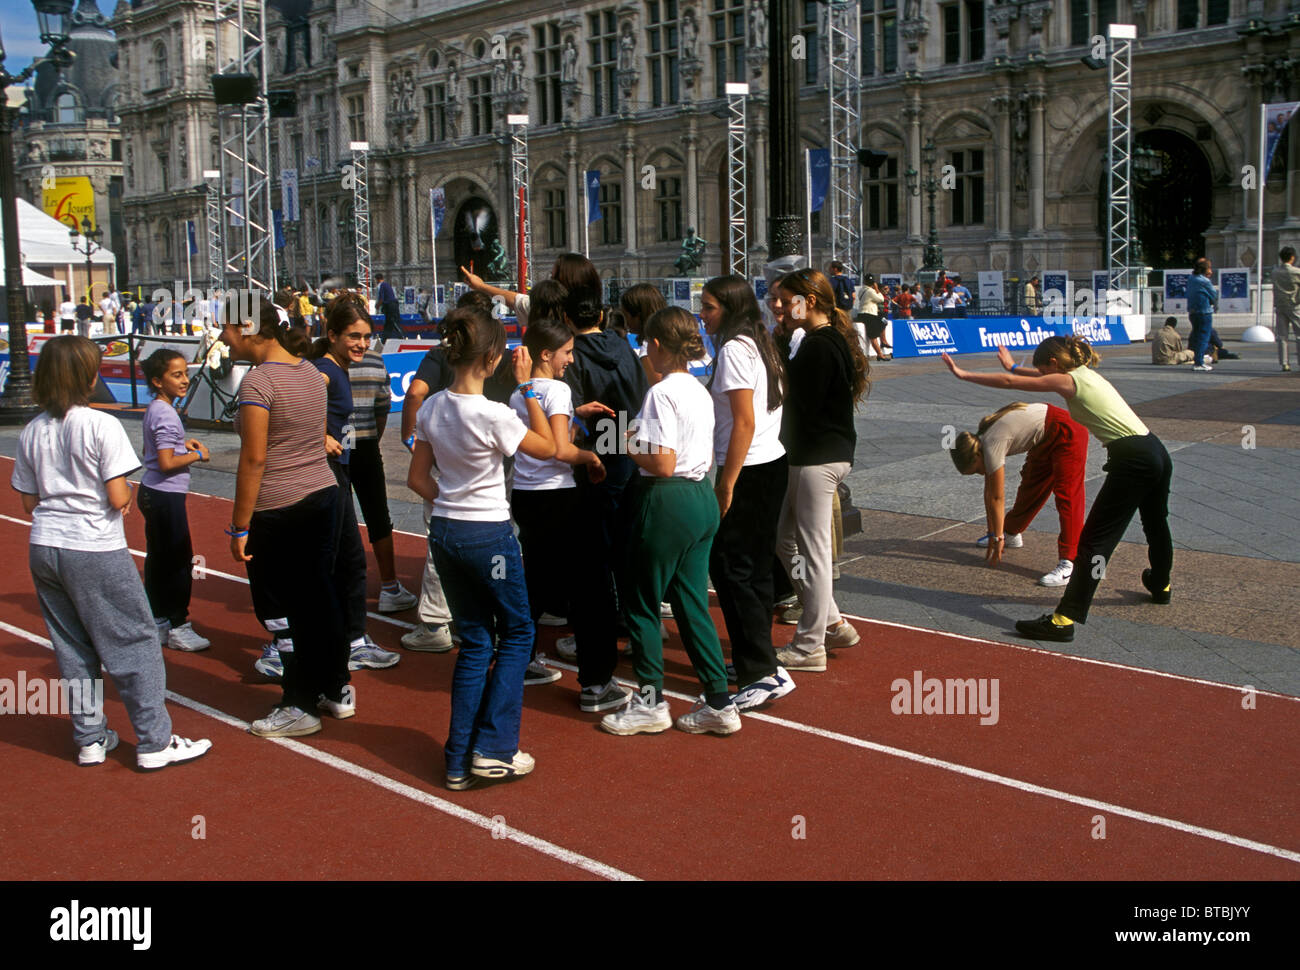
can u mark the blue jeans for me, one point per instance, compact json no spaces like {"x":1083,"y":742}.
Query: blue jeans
{"x":482,"y":574}
{"x":1199,"y":341}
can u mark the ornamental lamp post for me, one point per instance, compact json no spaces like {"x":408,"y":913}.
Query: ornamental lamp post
{"x":86,"y":240}
{"x":16,"y":404}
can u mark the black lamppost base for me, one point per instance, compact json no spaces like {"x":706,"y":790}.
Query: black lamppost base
{"x":16,"y":412}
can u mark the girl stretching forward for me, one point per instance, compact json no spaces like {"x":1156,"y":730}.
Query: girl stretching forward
{"x":474,"y":547}
{"x":1057,"y":455}
{"x":1138,"y":473}
{"x":71,"y":469}
{"x":674,"y":520}
{"x":168,"y":454}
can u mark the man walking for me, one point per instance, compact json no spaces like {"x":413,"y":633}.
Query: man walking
{"x":1202,"y":301}
{"x":1286,"y":315}
{"x":387,"y":300}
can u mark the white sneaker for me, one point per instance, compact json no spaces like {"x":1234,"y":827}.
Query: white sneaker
{"x":666,"y":610}
{"x":428,"y":639}
{"x":371,"y":656}
{"x":764,"y":691}
{"x":184,"y":638}
{"x":1207,"y":359}
{"x":638,"y":717}
{"x":567,"y":648}
{"x":843,"y":635}
{"x":94,"y":754}
{"x":403,"y":599}
{"x":285,"y":722}
{"x":341,"y":709}
{"x":180,"y":750}
{"x":1058,"y":576}
{"x":546,"y":619}
{"x":703,"y":719}
{"x":1203,"y":368}
{"x":518,"y":766}
{"x":1014,"y":540}
{"x":793,"y":659}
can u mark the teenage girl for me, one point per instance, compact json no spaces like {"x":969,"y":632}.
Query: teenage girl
{"x":639,"y":304}
{"x":70,"y":469}
{"x":1138,"y":472}
{"x":473,"y":545}
{"x":1056,"y":450}
{"x":747,"y":387}
{"x":827,"y":378}
{"x":674,"y":521}
{"x":573,"y":271}
{"x":347,"y":335}
{"x":168,"y":454}
{"x":283,"y":525}
{"x":544,"y":498}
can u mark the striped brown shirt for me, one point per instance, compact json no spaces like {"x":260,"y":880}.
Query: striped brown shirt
{"x":296,"y":464}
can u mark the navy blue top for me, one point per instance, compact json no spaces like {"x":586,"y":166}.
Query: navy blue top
{"x":338,"y":408}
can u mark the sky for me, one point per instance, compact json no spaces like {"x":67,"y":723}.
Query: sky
{"x":22,"y":41}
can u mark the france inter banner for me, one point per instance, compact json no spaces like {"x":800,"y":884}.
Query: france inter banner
{"x":972,"y":335}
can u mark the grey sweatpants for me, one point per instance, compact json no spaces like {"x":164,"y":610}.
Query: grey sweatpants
{"x":1285,"y":324}
{"x":805,"y":546}
{"x":97,"y":613}
{"x":432,"y":609}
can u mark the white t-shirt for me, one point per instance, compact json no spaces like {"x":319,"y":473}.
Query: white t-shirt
{"x":740,"y":366}
{"x":1013,"y":434}
{"x":677,"y":413}
{"x":523,"y":303}
{"x":469,"y":434}
{"x":67,"y":309}
{"x":66,"y":461}
{"x":533,"y":474}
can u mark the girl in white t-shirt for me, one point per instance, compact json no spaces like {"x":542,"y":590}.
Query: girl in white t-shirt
{"x":473,"y":545}
{"x":70,"y":469}
{"x":747,"y":387}
{"x":674,"y":520}
{"x":543,"y":498}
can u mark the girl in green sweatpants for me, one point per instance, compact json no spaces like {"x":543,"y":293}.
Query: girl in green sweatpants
{"x":674,"y":520}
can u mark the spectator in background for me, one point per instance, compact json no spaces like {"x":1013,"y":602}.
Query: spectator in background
{"x":842,"y":286}
{"x":388,"y":306}
{"x":67,"y":316}
{"x":109,"y":308}
{"x":84,"y":315}
{"x":959,"y":291}
{"x":1286,"y":305}
{"x":1167,"y":347}
{"x":1033,"y":296}
{"x":1202,"y":301}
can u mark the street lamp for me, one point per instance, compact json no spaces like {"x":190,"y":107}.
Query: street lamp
{"x":16,"y":405}
{"x":933,"y":251}
{"x":86,"y":240}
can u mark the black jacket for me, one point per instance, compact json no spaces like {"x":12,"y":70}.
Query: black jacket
{"x":817,"y":419}
{"x":605,"y":369}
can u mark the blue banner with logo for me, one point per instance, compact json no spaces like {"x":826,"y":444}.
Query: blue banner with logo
{"x":277,"y":218}
{"x":189,"y":237}
{"x":593,"y":196}
{"x":819,"y":177}
{"x":926,"y":337}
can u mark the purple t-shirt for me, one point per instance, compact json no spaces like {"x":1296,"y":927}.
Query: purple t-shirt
{"x":163,"y":429}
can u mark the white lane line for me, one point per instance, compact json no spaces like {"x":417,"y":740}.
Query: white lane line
{"x":989,"y":776}
{"x":981,"y":775}
{"x":499,"y":831}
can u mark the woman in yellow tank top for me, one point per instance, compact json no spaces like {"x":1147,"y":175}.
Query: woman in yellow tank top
{"x":1138,"y":472}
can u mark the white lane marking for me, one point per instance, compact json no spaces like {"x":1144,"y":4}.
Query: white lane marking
{"x":981,"y":775}
{"x":550,"y":849}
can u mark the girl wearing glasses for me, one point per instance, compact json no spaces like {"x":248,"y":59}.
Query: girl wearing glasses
{"x":347,"y":334}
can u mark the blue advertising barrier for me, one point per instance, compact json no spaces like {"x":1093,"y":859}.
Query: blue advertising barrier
{"x":927,"y":337}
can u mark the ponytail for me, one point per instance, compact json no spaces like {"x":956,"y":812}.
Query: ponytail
{"x":999,"y":413}
{"x":966,"y":452}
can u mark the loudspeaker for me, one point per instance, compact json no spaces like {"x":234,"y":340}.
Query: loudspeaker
{"x":234,"y":88}
{"x":284,"y":104}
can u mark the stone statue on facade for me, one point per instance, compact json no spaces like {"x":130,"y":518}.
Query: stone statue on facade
{"x":689,"y":32}
{"x":757,"y":25}
{"x":627,"y":50}
{"x":569,"y":61}
{"x":692,"y":256}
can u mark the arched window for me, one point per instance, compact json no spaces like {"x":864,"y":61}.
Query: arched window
{"x":324,"y":228}
{"x":165,"y":240}
{"x":162,"y":76}
{"x":66,"y":109}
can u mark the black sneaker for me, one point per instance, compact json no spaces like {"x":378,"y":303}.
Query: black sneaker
{"x":1160,"y":596}
{"x":1044,"y":629}
{"x":1228,"y":355}
{"x":539,"y":673}
{"x":603,"y":698}
{"x":731,"y":674}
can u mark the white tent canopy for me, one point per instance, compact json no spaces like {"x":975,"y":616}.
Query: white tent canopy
{"x":33,"y":278}
{"x":44,"y":241}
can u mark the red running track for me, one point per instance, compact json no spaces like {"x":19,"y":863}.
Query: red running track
{"x":1186,"y":781}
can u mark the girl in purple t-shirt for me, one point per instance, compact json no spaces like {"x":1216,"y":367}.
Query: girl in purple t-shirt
{"x":168,"y":455}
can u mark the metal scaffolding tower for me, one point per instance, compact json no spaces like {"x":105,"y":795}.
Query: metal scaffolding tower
{"x":212,"y":207}
{"x":523,"y":242}
{"x":239,"y":28}
{"x":737,"y":234}
{"x":846,"y":235}
{"x":361,"y":211}
{"x":1119,"y":157}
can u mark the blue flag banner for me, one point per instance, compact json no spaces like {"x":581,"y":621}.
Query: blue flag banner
{"x":438,"y":205}
{"x":189,"y":236}
{"x":278,"y":219}
{"x":1276,"y":118}
{"x":593,"y":196}
{"x":819,"y":163}
{"x":971,"y":335}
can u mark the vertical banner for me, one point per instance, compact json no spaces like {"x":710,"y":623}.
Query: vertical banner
{"x":438,"y":206}
{"x":1176,"y":281}
{"x":593,"y":196}
{"x":289,"y":194}
{"x":277,"y":219}
{"x":191,"y":243}
{"x":990,"y":289}
{"x":1276,"y":117}
{"x":1055,"y":294}
{"x":437,"y":209}
{"x":819,"y":178}
{"x":1234,"y":290}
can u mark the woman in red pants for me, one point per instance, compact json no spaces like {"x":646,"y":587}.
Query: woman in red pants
{"x":1057,"y":453}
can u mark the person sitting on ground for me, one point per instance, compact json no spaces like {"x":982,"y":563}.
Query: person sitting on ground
{"x":1167,"y":347}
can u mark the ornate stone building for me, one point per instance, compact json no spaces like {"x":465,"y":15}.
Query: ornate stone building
{"x":70,"y":130}
{"x":633,"y":89}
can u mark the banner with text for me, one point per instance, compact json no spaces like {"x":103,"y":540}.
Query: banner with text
{"x":972,"y":335}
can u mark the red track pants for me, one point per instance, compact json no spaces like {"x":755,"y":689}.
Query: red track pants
{"x":1054,"y":466}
